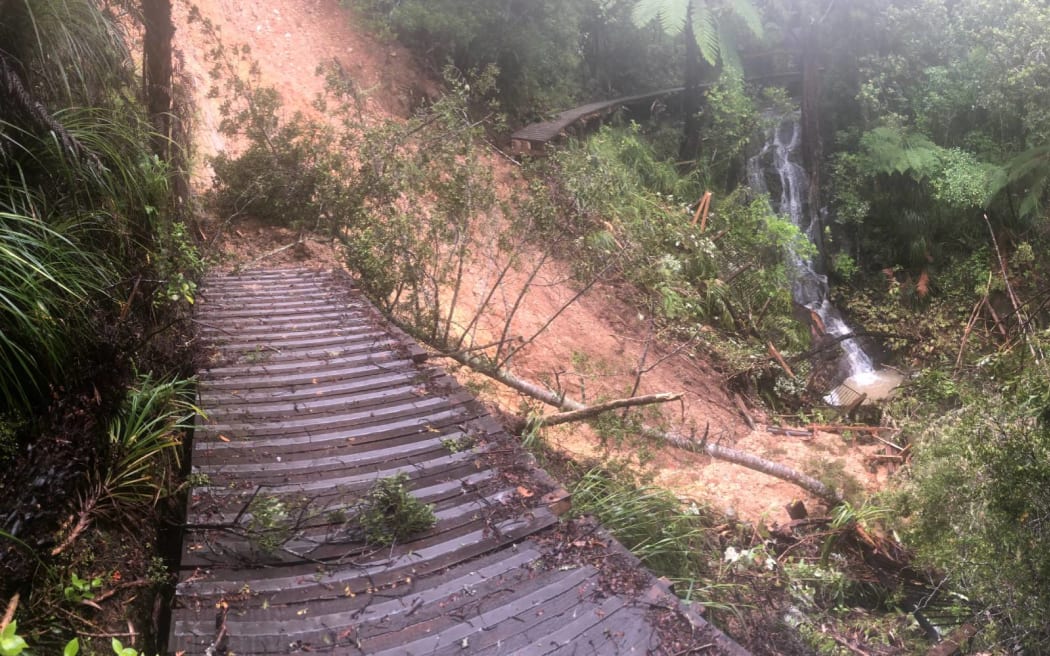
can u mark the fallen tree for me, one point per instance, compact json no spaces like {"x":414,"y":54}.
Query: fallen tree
{"x":714,"y":450}
{"x":586,"y":412}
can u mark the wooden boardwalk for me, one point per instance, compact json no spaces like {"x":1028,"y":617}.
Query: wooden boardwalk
{"x":534,"y":138}
{"x":311,"y":398}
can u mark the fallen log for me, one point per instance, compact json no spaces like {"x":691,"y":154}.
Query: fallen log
{"x":717,"y":451}
{"x":595,"y":410}
{"x":789,"y":432}
{"x":839,"y":428}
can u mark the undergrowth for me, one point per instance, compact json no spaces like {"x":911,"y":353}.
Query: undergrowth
{"x":92,"y":252}
{"x":673,"y":540}
{"x":805,"y":592}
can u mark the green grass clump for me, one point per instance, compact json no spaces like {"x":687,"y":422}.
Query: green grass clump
{"x":671,"y":539}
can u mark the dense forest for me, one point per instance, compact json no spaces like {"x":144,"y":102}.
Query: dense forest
{"x":831,"y":193}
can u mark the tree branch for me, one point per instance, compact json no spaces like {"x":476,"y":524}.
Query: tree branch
{"x":735,"y":456}
{"x":594,"y":410}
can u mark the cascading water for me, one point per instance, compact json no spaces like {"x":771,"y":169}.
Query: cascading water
{"x":779,"y":157}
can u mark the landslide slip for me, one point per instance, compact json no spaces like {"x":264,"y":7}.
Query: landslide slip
{"x":593,"y":348}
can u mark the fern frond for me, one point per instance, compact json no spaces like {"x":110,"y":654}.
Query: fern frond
{"x":1028,"y":162}
{"x":1030,"y":168}
{"x":728,"y":49}
{"x":669,"y":14}
{"x":1031,"y":204}
{"x":705,"y":27}
{"x":714,"y":36}
{"x":747,"y":12}
{"x":890,"y":150}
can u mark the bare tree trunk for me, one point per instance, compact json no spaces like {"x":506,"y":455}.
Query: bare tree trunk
{"x":157,"y":73}
{"x":812,"y":148}
{"x":735,"y":456}
{"x":690,"y":146}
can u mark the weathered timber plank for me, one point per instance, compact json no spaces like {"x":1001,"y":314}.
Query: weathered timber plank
{"x":312,"y":397}
{"x":423,"y":641}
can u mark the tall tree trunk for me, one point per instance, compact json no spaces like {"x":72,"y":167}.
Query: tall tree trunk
{"x":691,"y":98}
{"x":812,"y":148}
{"x":157,"y":73}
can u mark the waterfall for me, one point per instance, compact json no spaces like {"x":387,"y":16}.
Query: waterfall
{"x":779,"y":159}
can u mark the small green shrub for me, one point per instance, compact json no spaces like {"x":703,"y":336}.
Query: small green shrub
{"x":80,"y":589}
{"x":728,"y":123}
{"x":178,"y":264}
{"x":390,"y":514}
{"x":293,"y":170}
{"x":621,"y":204}
{"x":11,"y":644}
{"x":844,"y":266}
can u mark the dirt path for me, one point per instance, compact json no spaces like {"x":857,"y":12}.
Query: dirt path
{"x":592,"y":349}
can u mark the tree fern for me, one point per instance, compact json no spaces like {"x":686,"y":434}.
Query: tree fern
{"x":728,"y":50}
{"x":706,"y":29}
{"x":714,"y":35}
{"x":669,"y":14}
{"x":1029,"y":170}
{"x":891,"y":150}
{"x":748,"y":13}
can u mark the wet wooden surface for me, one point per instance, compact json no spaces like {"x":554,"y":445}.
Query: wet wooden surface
{"x":311,"y":397}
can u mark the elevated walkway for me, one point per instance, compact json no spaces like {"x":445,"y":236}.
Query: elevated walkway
{"x":311,"y":397}
{"x":534,"y":138}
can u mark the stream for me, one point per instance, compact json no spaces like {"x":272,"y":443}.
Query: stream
{"x":779,"y":159}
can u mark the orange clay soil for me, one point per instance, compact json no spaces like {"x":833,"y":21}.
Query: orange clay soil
{"x":592,"y":349}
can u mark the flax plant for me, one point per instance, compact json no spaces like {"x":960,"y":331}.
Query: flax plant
{"x":44,"y":277}
{"x":142,"y":448}
{"x":81,"y":195}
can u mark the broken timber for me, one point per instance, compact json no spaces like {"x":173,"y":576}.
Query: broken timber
{"x":311,"y":397}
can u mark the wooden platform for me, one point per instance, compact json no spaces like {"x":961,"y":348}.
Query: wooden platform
{"x":311,"y":398}
{"x":534,"y":138}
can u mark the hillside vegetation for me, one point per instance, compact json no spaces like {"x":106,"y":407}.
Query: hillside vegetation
{"x":926,"y":140}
